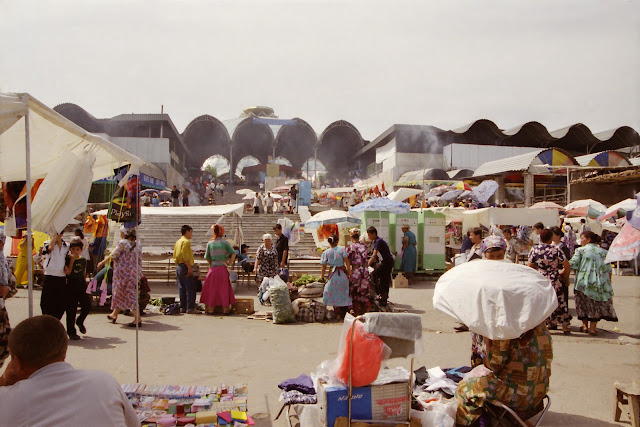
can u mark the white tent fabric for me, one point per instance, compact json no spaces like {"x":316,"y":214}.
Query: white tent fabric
{"x":237,"y":209}
{"x":402,"y":194}
{"x":509,"y":216}
{"x":498,"y":300}
{"x":51,"y":135}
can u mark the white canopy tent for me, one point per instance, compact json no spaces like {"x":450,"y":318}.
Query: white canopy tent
{"x":25,"y":122}
{"x":510,"y":216}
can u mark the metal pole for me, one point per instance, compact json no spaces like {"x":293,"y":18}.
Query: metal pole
{"x":29,"y":237}
{"x":137,"y":282}
{"x":231,"y":172}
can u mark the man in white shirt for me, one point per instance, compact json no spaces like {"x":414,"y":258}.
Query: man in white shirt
{"x":39,"y":389}
{"x":53,"y":300}
{"x":268,"y":203}
{"x":256,"y":204}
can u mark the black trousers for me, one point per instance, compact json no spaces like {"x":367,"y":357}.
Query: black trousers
{"x":53,"y":300}
{"x":382,"y":281}
{"x":77,"y":294}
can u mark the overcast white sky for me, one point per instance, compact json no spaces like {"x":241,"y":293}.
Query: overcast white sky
{"x":374,"y":63}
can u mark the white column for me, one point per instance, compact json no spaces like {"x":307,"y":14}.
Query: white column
{"x":529,"y":189}
{"x":500,"y":194}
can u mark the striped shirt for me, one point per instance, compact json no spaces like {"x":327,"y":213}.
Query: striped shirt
{"x":218,"y":251}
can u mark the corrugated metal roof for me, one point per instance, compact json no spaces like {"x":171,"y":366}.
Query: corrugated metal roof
{"x":455,"y":172}
{"x":635,"y":161}
{"x":510,"y":164}
{"x":140,"y":117}
{"x":587,"y":158}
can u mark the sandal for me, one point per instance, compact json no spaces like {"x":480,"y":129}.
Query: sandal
{"x":133,"y":324}
{"x":111,"y":319}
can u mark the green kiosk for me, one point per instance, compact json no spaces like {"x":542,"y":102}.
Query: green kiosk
{"x":431,"y":242}
{"x":377,"y":219}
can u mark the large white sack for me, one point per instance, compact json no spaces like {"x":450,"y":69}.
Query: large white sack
{"x":498,"y":300}
{"x":64,"y":192}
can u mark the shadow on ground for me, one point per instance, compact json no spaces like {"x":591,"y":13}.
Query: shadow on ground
{"x":558,"y":419}
{"x":96,"y":343}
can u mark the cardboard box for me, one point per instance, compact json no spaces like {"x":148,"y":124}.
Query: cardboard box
{"x":400,"y":281}
{"x":244,"y":306}
{"x":388,"y":402}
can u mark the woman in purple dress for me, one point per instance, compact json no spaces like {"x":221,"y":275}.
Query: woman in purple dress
{"x":554,"y":265}
{"x":360,"y":284}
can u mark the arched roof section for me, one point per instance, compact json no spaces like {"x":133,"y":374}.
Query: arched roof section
{"x":459,"y":173}
{"x":337,"y":145}
{"x":206,"y":136}
{"x":80,"y":116}
{"x":576,"y":138}
{"x":539,"y":162}
{"x":530,"y":134}
{"x":252,"y":139}
{"x":614,"y":139}
{"x":435,"y":174}
{"x":605,"y":159}
{"x":482,"y":132}
{"x":296,"y":143}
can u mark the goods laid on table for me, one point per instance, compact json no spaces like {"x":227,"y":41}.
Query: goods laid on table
{"x":175,"y":405}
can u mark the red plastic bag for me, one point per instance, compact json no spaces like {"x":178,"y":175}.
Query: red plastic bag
{"x":367,"y":357}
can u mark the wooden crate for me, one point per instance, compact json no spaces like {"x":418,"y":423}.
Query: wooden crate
{"x":244,"y":306}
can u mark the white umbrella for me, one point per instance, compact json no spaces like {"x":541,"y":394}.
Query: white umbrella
{"x":586,"y":207}
{"x":623,"y":206}
{"x":244,"y":191}
{"x":333,"y":216}
{"x":498,"y":300}
{"x":249,"y":196}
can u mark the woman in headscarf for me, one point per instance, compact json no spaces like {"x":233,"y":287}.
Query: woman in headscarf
{"x":336,"y":290}
{"x":409,"y":253}
{"x":553,"y":264}
{"x":266,"y":260}
{"x":6,"y":291}
{"x":360,"y":285}
{"x":216,"y":289}
{"x":569,"y":239}
{"x":127,"y":271}
{"x":592,"y":287}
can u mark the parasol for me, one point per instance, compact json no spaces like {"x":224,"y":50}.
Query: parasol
{"x":485,"y":190}
{"x":281,"y":189}
{"x":333,"y":216}
{"x":403,"y":194}
{"x":585,"y":207}
{"x":381,"y":204}
{"x":498,"y":300}
{"x":461,"y":185}
{"x":451,"y":195}
{"x":547,"y":205}
{"x":244,"y":191}
{"x":249,"y":196}
{"x":619,"y":208}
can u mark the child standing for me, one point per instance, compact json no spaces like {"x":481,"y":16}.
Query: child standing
{"x":76,"y":270}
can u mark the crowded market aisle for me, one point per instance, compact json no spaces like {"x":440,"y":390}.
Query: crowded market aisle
{"x":199,"y":349}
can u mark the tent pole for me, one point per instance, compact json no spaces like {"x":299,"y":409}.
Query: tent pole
{"x":138,"y":261}
{"x":29,"y":236}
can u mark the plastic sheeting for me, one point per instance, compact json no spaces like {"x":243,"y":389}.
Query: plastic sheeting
{"x":402,"y":194}
{"x":498,"y":300}
{"x":51,"y":136}
{"x":237,"y":209}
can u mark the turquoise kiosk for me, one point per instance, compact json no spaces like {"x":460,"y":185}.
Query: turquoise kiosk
{"x":395,"y":241}
{"x":431,"y":242}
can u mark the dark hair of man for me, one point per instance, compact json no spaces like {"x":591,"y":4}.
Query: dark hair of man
{"x":184,"y":229}
{"x":557,"y":231}
{"x":38,"y":341}
{"x":477,"y":231}
{"x":372,"y":230}
{"x":277,"y":227}
{"x":582,"y":220}
{"x":78,"y":232}
{"x":75,"y":243}
{"x":507,"y":231}
{"x":545,"y":236}
{"x":538,"y":225}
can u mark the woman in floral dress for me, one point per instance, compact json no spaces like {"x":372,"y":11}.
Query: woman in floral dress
{"x":336,"y":290}
{"x":592,"y":287}
{"x":127,"y":271}
{"x":266,"y":260}
{"x":360,"y":284}
{"x":553,"y":264}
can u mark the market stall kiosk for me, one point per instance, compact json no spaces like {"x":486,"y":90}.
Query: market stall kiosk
{"x":377,"y":219}
{"x":395,"y":233}
{"x":431,"y":243}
